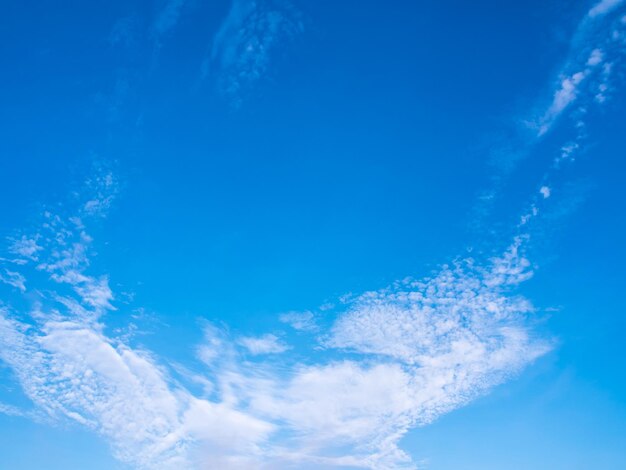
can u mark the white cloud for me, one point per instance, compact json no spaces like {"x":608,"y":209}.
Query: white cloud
{"x":394,"y":359}
{"x":595,"y":57}
{"x":72,"y":371}
{"x":463,"y":308}
{"x":266,"y":344}
{"x":168,"y":16}
{"x":101,"y":191}
{"x":342,"y":413}
{"x":26,"y":247}
{"x":582,"y":65}
{"x":301,"y":321}
{"x":417,"y":350}
{"x":545,"y":192}
{"x":242,"y":47}
{"x":583,"y":81}
{"x":603,"y":7}
{"x":11,"y":410}
{"x":14,"y":279}
{"x":567,"y":150}
{"x":563,"y":97}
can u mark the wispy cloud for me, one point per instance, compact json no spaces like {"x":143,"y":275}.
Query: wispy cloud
{"x":25,"y":247}
{"x":242,"y":47}
{"x":595,"y":49}
{"x":72,"y":371}
{"x":563,"y":97}
{"x":401,"y":357}
{"x":301,"y":321}
{"x":413,"y":351}
{"x":603,"y":7}
{"x":14,"y":279}
{"x":266,"y":344}
{"x":392,"y":359}
{"x":583,"y":82}
{"x":168,"y":16}
{"x":100,"y":190}
{"x":11,"y":410}
{"x":124,"y":31}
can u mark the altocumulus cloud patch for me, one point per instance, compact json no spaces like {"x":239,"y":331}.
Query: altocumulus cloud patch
{"x":416,"y":350}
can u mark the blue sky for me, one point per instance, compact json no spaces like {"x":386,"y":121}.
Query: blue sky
{"x":314,"y":235}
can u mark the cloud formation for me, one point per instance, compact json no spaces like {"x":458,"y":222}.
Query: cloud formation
{"x":168,"y":16}
{"x":394,"y":359}
{"x":603,"y":7}
{"x":300,"y":321}
{"x":266,"y":344}
{"x":584,"y":81}
{"x":243,"y":45}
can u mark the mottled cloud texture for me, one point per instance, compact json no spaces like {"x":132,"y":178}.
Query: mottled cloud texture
{"x":417,"y":349}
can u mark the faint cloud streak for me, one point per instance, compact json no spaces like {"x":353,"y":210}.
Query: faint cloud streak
{"x":242,"y":47}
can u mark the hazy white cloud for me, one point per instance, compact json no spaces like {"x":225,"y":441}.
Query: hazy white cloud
{"x":567,"y":151}
{"x":583,"y":80}
{"x":168,"y":15}
{"x":301,"y":321}
{"x":73,"y":371}
{"x":416,"y":350}
{"x":344,"y":413}
{"x":11,"y":410}
{"x":124,"y":31}
{"x":603,"y":7}
{"x":25,"y":247}
{"x":563,"y":97}
{"x":67,"y":262}
{"x":392,"y":359}
{"x":14,"y":279}
{"x":462,"y":307}
{"x":583,"y":66}
{"x":101,"y":190}
{"x":266,"y":344}
{"x":242,"y":47}
{"x":595,"y":57}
